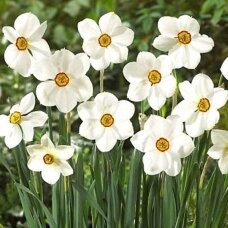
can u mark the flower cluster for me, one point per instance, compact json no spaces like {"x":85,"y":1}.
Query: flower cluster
{"x":64,"y":83}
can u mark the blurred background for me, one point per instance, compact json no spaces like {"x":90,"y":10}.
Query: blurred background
{"x":142,"y":16}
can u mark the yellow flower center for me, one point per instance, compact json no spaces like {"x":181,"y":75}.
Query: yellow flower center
{"x":61,"y":79}
{"x":184,"y":37}
{"x":203,"y":105}
{"x":104,"y":40}
{"x":107,"y":120}
{"x":162,"y":144}
{"x":48,"y":159}
{"x":15,"y":118}
{"x":21,"y":43}
{"x":154,"y":77}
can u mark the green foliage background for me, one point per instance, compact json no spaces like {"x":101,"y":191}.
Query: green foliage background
{"x":142,"y":16}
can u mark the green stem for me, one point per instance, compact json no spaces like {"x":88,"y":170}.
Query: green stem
{"x":220,"y":81}
{"x":50,"y":123}
{"x":101,"y":81}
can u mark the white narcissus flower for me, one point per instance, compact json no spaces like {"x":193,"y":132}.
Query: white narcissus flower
{"x":64,"y":80}
{"x":224,"y":68}
{"x":20,"y":122}
{"x":164,"y":143}
{"x":106,"y":120}
{"x":50,"y":160}
{"x":219,"y":150}
{"x":27,"y":43}
{"x":181,"y":38}
{"x":199,"y":109}
{"x":150,"y":78}
{"x":107,"y":42}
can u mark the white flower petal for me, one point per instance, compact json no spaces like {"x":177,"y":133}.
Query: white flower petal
{"x":101,"y":63}
{"x":92,"y":48}
{"x":156,"y":99}
{"x":88,"y":110}
{"x":117,"y":53}
{"x":46,"y":92}
{"x":187,"y":23}
{"x":168,"y":26}
{"x":51,"y":174}
{"x":134,"y":72}
{"x":219,"y":137}
{"x":146,"y":60}
{"x":108,"y":22}
{"x":216,"y":151}
{"x":36,"y":163}
{"x":46,"y":142}
{"x":224,"y":68}
{"x":5,"y":125}
{"x":39,"y":32}
{"x":82,"y":88}
{"x":161,"y":158}
{"x":65,"y":168}
{"x":27,"y":131}
{"x":26,"y":24}
{"x":188,"y":91}
{"x":150,"y":165}
{"x":88,"y":29}
{"x":84,"y":59}
{"x":64,"y":152}
{"x":211,"y":118}
{"x":40,"y":49}
{"x":192,"y":58}
{"x":182,"y":146}
{"x":175,"y":124}
{"x":166,"y":65}
{"x":202,"y":43}
{"x":223,"y":164}
{"x":36,"y":150}
{"x":123,"y":128}
{"x":20,"y":61}
{"x":138,"y":91}
{"x":219,"y":98}
{"x":10,"y":34}
{"x":185,"y":110}
{"x":122,"y":36}
{"x":143,"y":142}
{"x":125,"y":110}
{"x":27,"y":104}
{"x":164,"y":43}
{"x":107,"y":141}
{"x":91,"y":129}
{"x":168,"y":85}
{"x":14,"y":138}
{"x":36,"y":119}
{"x":174,"y":168}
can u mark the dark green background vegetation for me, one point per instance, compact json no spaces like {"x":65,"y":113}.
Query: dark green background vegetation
{"x":142,"y":16}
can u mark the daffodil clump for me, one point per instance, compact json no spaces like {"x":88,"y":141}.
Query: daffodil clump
{"x":174,"y":143}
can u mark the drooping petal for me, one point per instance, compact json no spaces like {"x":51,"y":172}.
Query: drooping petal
{"x":224,"y":68}
{"x":88,"y":29}
{"x":39,"y":32}
{"x":202,"y":43}
{"x":65,"y":168}
{"x":219,"y":137}
{"x":14,"y":138}
{"x":107,"y":141}
{"x":26,"y":24}
{"x":123,"y":128}
{"x":150,"y":165}
{"x":10,"y":34}
{"x":155,"y":98}
{"x":82,"y":88}
{"x":51,"y":174}
{"x":122,"y":36}
{"x":182,"y":146}
{"x":223,"y":164}
{"x":138,"y":91}
{"x":108,"y":22}
{"x":164,"y":43}
{"x":64,"y":152}
{"x":117,"y":53}
{"x":167,"y":86}
{"x":46,"y":92}
{"x":20,"y":61}
{"x":134,"y":72}
{"x":91,"y":129}
{"x":36,"y":118}
{"x":88,"y":110}
{"x":6,"y":126}
{"x":40,"y":49}
{"x":125,"y":110}
{"x":27,"y":104}
{"x":143,"y":142}
{"x":219,"y":98}
{"x":174,"y":168}
{"x":216,"y":151}
{"x":27,"y":131}
{"x":106,"y":102}
{"x":168,"y":26}
{"x":189,"y":24}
